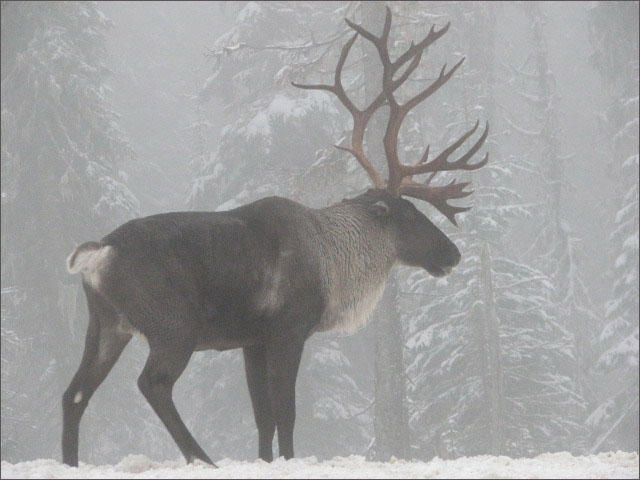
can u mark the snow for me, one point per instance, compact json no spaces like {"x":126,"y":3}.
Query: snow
{"x":250,"y":10}
{"x":631,"y":242}
{"x":601,"y":413}
{"x":259,"y":125}
{"x":629,"y":129}
{"x":289,"y":108}
{"x":627,"y":349}
{"x":621,"y":259}
{"x":548,"y":465}
{"x":631,"y":161}
{"x":228,"y":205}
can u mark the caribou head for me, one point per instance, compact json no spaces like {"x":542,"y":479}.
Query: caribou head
{"x":419,"y":242}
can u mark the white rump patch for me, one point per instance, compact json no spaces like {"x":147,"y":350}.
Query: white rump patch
{"x":91,"y":263}
{"x":77,"y":398}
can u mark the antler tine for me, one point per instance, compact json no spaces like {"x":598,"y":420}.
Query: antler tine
{"x":365,"y":33}
{"x":463,"y":162}
{"x":440,"y":163}
{"x":412,"y":66}
{"x":399,"y":181}
{"x":368,"y":35}
{"x":431,"y":89}
{"x":425,"y":156}
{"x":382,"y":41}
{"x":431,"y":37}
{"x":438,"y":196}
{"x":337,"y":87}
{"x":360,"y":117}
{"x":397,"y":112}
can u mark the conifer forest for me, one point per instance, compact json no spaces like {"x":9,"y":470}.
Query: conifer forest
{"x":118,"y":110}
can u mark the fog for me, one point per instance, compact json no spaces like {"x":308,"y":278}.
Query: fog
{"x":117,"y":110}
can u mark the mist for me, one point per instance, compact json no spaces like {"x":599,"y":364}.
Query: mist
{"x":118,"y":110}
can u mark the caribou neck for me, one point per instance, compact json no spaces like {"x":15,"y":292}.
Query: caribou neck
{"x":357,"y":254}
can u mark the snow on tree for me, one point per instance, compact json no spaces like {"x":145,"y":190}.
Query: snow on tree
{"x":63,"y":182}
{"x":157,"y":57}
{"x":556,"y":246}
{"x":556,"y":249}
{"x":489,"y":361}
{"x":615,"y":416}
{"x":266,"y":143}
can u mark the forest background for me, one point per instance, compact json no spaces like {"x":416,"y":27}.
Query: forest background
{"x":122,"y":109}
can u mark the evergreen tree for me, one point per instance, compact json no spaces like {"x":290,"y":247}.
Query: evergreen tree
{"x":614,"y":39}
{"x":63,"y":182}
{"x":555,"y":246}
{"x":489,"y":361}
{"x":261,"y":149}
{"x":157,"y":55}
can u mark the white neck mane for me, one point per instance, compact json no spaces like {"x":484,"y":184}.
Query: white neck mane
{"x":357,"y":260}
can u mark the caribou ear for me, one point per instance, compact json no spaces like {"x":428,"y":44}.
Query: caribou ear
{"x":380,"y":209}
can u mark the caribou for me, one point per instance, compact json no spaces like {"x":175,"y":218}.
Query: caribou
{"x":265,"y":276}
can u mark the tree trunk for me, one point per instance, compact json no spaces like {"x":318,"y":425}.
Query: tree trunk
{"x":492,"y":375}
{"x":390,"y":417}
{"x":563,"y":268}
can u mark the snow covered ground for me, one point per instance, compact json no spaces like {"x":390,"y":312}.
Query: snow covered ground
{"x":548,"y":465}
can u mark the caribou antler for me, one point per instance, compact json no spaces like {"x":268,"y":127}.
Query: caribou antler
{"x":360,"y":117}
{"x":400,"y":180}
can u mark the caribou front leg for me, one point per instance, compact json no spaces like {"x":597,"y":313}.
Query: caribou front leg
{"x":255,"y":366}
{"x":283,"y":360}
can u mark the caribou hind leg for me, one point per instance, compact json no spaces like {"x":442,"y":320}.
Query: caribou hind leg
{"x":103,"y":345}
{"x":256,"y":370}
{"x":165,"y":364}
{"x":169,"y":322}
